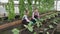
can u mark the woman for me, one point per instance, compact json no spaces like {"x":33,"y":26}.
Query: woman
{"x":25,"y":19}
{"x":35,"y":15}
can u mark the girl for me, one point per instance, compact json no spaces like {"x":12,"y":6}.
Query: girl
{"x":25,"y":19}
{"x":35,"y":15}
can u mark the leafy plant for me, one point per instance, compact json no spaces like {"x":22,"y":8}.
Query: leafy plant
{"x":41,"y":19}
{"x":46,"y":5}
{"x":34,"y":32}
{"x":56,"y":14}
{"x":29,"y":2}
{"x":11,"y":13}
{"x":29,"y":6}
{"x":30,"y":10}
{"x":15,"y":31}
{"x":29,"y":27}
{"x":21,"y":8}
{"x":55,"y":23}
{"x":10,"y":10}
{"x":48,"y":17}
{"x":7,"y":7}
{"x":38,"y":23}
{"x":47,"y":32}
{"x":53,"y":15}
{"x":45,"y":29}
{"x":50,"y":26}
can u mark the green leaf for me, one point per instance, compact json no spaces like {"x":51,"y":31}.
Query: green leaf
{"x":21,"y":8}
{"x":45,"y":29}
{"x":11,"y":14}
{"x":50,"y":26}
{"x":15,"y":31}
{"x":29,"y":2}
{"x":41,"y":19}
{"x":34,"y":32}
{"x":30,"y":23}
{"x":55,"y":23}
{"x":47,"y":32}
{"x":38,"y":23}
{"x":48,"y":17}
{"x":29,"y":27}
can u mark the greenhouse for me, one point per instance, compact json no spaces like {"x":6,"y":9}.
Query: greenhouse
{"x":29,"y":16}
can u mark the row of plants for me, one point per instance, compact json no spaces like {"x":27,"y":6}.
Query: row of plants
{"x":19,"y":30}
{"x":44,"y":18}
{"x":43,"y":24}
{"x":10,"y":9}
{"x":41,"y":3}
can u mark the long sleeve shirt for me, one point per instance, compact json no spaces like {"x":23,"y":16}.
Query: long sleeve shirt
{"x":35,"y":13}
{"x":26,"y":18}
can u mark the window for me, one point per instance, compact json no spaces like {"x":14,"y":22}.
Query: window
{"x":16,"y":9}
{"x":2,"y":11}
{"x":58,"y":5}
{"x":4,"y":1}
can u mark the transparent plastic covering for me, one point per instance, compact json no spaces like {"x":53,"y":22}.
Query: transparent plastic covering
{"x":2,"y":11}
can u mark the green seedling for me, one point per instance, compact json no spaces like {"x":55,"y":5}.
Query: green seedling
{"x":47,"y":32}
{"x":38,"y":23}
{"x":29,"y":27}
{"x":11,"y":13}
{"x":50,"y":26}
{"x":34,"y":32}
{"x":45,"y":29}
{"x":55,"y":23}
{"x":41,"y":19}
{"x":15,"y":31}
{"x":48,"y":17}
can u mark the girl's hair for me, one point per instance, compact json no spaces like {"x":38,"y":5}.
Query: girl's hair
{"x":26,"y":11}
{"x":35,"y":9}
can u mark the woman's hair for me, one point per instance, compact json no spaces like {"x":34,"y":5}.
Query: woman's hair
{"x":35,"y":9}
{"x":26,"y":11}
